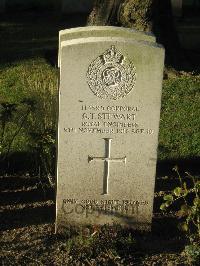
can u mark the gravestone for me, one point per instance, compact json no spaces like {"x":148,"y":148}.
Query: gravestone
{"x":101,"y":31}
{"x":109,"y":109}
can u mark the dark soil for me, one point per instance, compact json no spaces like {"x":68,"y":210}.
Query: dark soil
{"x":28,"y":221}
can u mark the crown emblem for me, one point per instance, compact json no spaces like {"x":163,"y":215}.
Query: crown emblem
{"x":112,"y":56}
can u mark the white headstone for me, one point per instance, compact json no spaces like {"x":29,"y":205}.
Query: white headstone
{"x":101,"y":31}
{"x":109,"y":109}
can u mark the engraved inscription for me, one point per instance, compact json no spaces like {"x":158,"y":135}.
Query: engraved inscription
{"x":103,"y":207}
{"x":111,"y":75}
{"x":106,"y":119}
{"x":107,"y":160}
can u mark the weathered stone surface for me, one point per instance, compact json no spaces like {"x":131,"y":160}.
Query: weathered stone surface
{"x":110,"y":95}
{"x":102,"y":31}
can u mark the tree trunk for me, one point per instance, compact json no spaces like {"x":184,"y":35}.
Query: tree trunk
{"x":128,"y":13}
{"x":143,"y":15}
{"x":104,"y":13}
{"x":137,"y":14}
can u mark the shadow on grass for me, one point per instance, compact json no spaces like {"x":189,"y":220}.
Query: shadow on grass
{"x":167,"y":179}
{"x":31,"y":195}
{"x":19,"y":163}
{"x":26,"y":162}
{"x":19,"y":193}
{"x":25,"y":201}
{"x":31,"y":34}
{"x":26,"y":216}
{"x":165,"y":167}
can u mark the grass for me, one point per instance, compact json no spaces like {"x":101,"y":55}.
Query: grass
{"x":28,"y":98}
{"x":36,"y":79}
{"x":28,"y":88}
{"x":179,"y":126}
{"x":27,"y":71}
{"x":23,"y":83}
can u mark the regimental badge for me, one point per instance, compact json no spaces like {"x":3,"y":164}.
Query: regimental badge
{"x":111,"y":75}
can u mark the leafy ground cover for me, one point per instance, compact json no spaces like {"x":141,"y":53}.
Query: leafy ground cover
{"x":28,"y":231}
{"x":179,"y":128}
{"x":28,"y":107}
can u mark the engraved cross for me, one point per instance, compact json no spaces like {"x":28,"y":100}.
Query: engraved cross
{"x":107,"y":160}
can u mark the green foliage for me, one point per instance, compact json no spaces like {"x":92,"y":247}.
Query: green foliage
{"x":43,"y":143}
{"x":179,"y":135}
{"x":187,"y":197}
{"x":35,"y":79}
{"x":192,"y":252}
{"x":9,"y":112}
{"x":101,"y":244}
{"x":28,"y":112}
